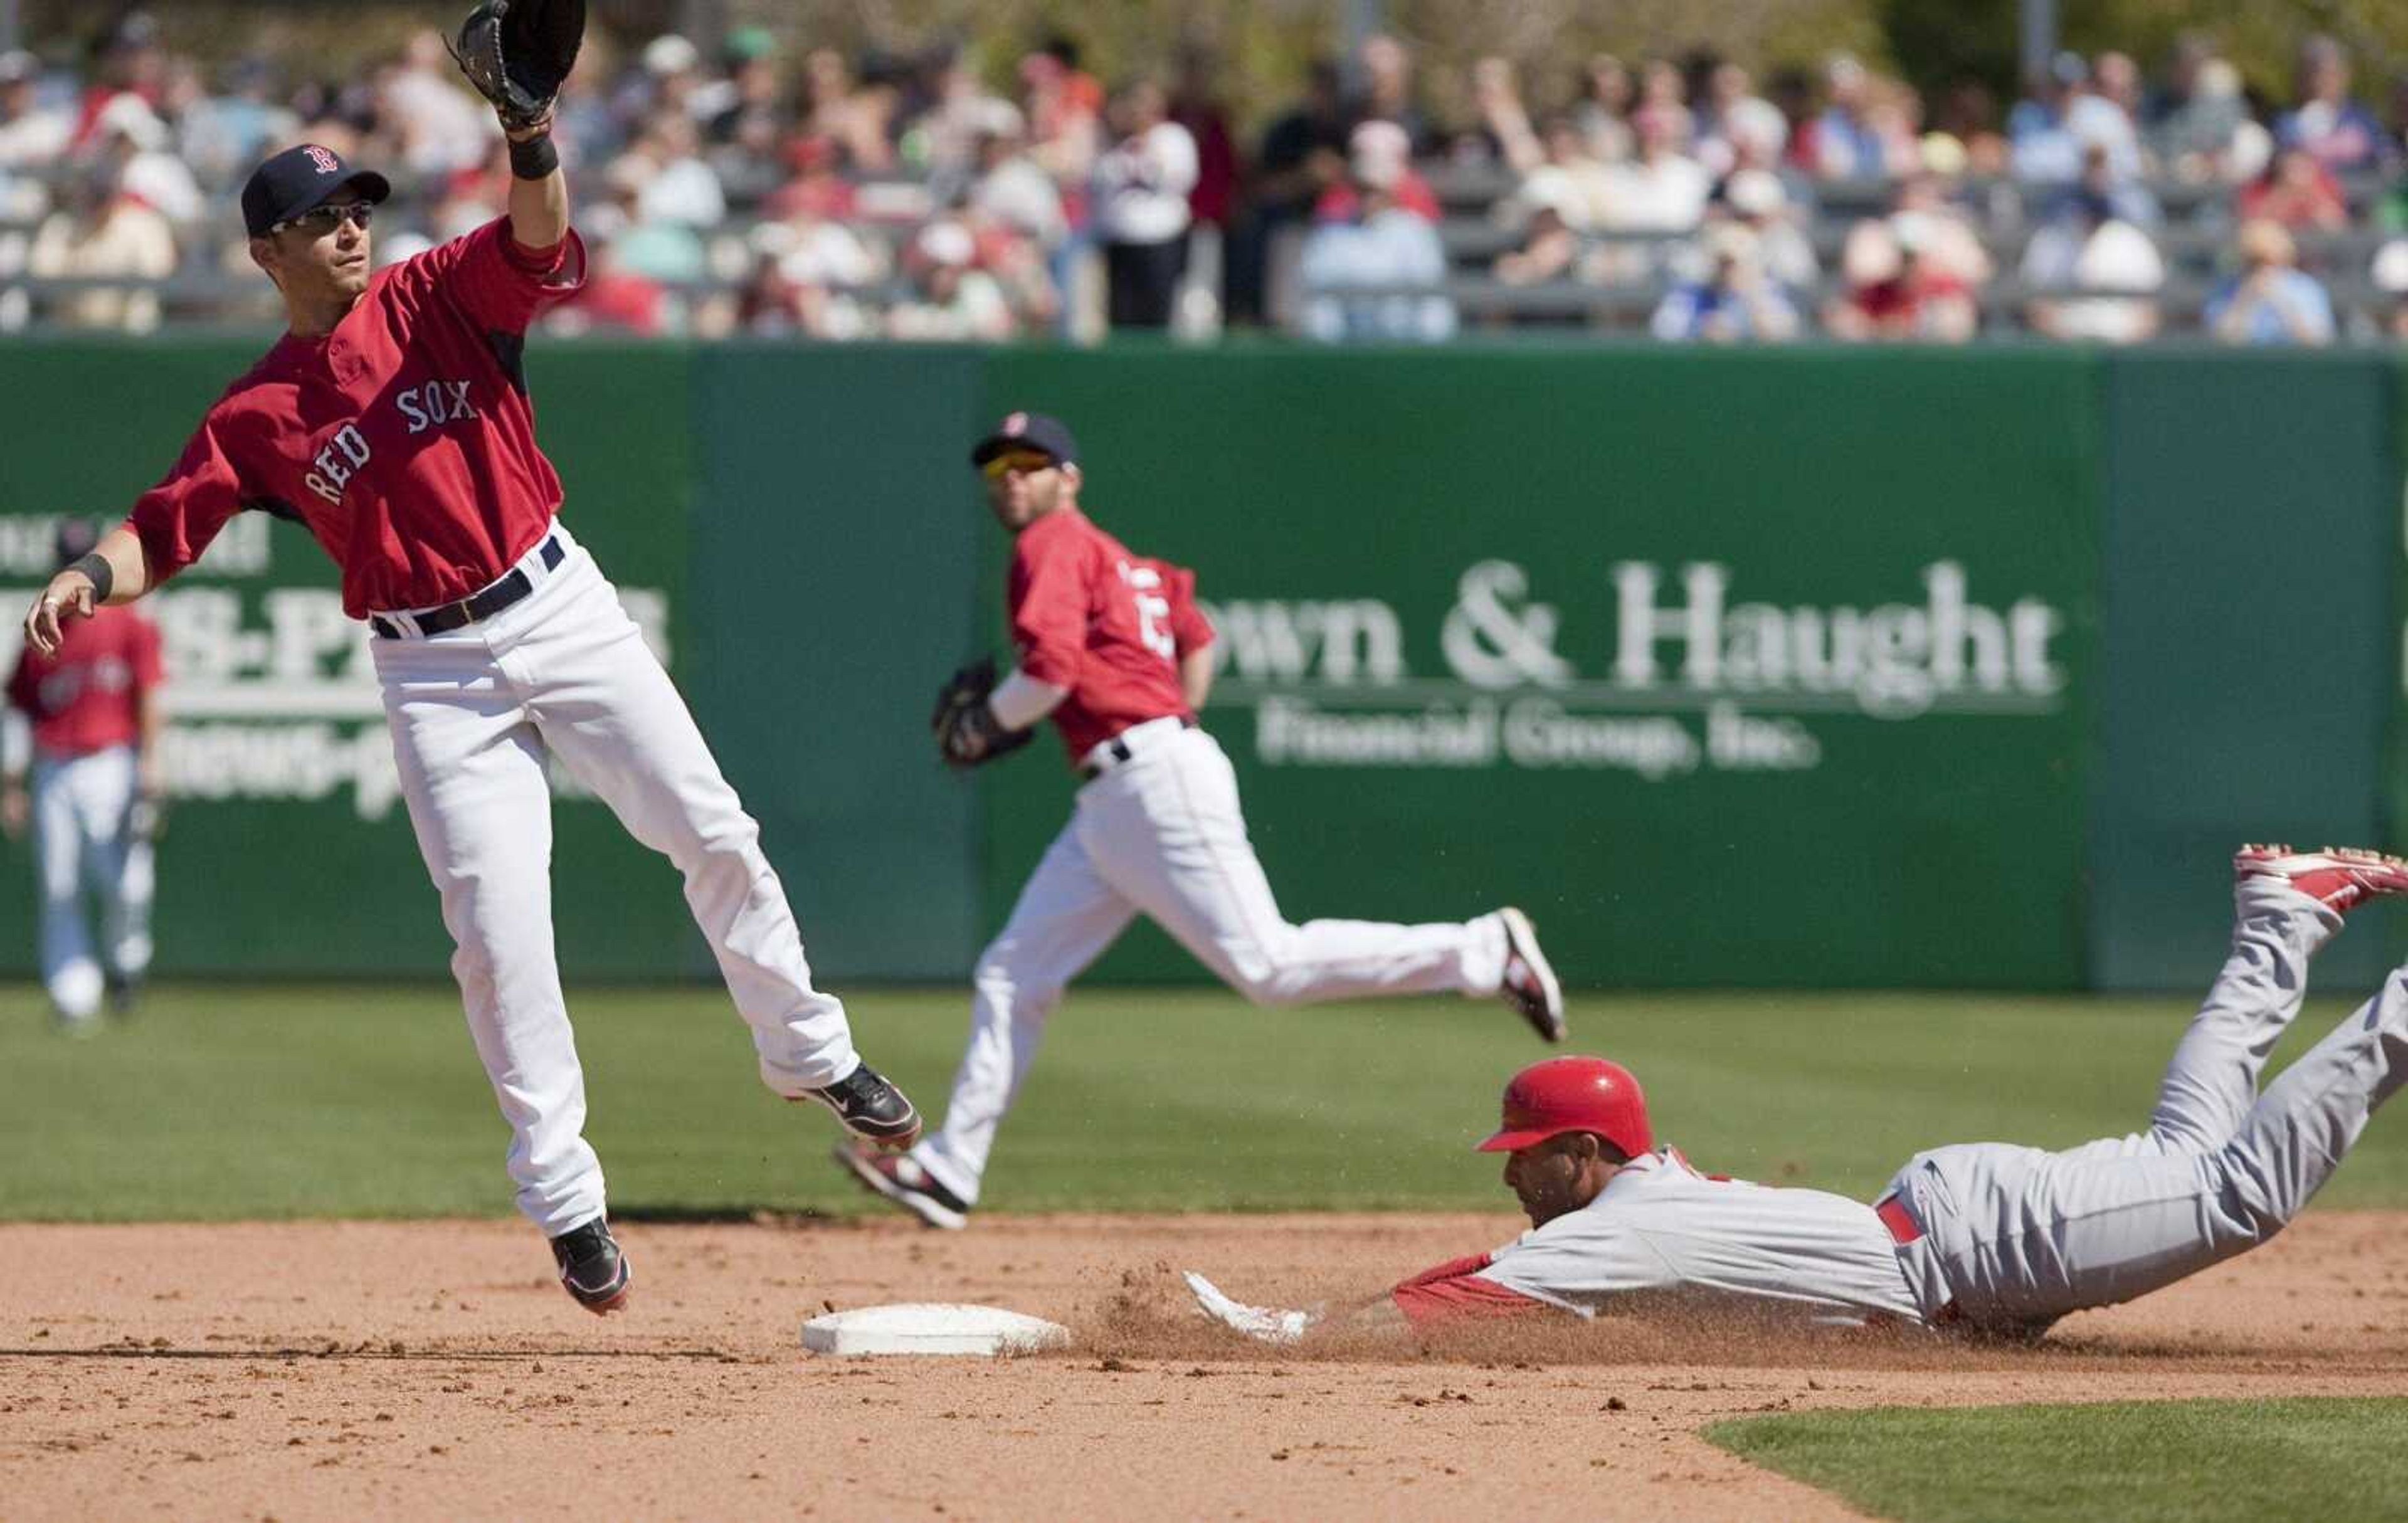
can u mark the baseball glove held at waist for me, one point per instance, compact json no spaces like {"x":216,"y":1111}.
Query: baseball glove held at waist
{"x":968,"y":733}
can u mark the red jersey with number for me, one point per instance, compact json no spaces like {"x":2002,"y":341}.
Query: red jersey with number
{"x":86,"y":696}
{"x":1108,"y":625}
{"x":403,"y":440}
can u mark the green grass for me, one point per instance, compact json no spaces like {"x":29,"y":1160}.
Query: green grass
{"x":2120,"y":1462}
{"x":226,"y":1102}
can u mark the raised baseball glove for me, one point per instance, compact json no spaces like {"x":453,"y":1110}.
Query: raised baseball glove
{"x":968,"y":732}
{"x":518,"y":53}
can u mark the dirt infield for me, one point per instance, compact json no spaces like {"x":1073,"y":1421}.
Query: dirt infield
{"x":433,"y":1370}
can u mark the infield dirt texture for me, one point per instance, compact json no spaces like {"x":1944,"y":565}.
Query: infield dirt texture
{"x":321,"y":1367}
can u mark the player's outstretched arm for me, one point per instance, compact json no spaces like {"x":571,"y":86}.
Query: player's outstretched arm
{"x":117,"y":571}
{"x":518,"y":53}
{"x":538,"y":209}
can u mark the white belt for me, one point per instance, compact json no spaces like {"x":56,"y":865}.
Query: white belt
{"x":1130,"y":744}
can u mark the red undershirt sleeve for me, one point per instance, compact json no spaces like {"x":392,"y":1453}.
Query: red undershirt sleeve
{"x":1454,"y":1292}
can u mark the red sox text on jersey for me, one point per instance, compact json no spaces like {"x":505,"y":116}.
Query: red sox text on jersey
{"x":403,"y":439}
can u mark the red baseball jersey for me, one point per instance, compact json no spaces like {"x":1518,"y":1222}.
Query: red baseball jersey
{"x":403,"y":439}
{"x":1108,"y":625}
{"x":85,"y":696}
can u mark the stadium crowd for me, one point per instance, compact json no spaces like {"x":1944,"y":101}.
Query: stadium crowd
{"x":746,"y":190}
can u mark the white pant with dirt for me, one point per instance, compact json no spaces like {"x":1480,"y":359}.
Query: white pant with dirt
{"x":1162,"y":835}
{"x":477,"y":714}
{"x":82,"y":806}
{"x":2015,"y":1238}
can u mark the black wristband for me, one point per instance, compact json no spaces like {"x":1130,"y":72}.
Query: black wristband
{"x":104,"y":575}
{"x":534,"y":158}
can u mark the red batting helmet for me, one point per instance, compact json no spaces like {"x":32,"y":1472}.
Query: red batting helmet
{"x":1574,"y":1094}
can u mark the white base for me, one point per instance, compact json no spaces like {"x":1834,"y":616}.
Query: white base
{"x":930,"y":1327}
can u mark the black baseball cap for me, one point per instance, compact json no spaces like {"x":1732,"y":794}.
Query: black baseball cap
{"x":1028,"y":431}
{"x":301,"y":179}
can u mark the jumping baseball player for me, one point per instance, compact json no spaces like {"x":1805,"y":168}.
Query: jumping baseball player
{"x":1982,"y":1238}
{"x":1113,"y":649}
{"x":393,"y":420}
{"x":91,"y":709}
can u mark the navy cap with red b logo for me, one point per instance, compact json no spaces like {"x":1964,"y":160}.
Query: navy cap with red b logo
{"x":1028,"y":431}
{"x":301,"y":179}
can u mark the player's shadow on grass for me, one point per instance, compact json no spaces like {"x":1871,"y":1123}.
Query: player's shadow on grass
{"x":675,"y":1214}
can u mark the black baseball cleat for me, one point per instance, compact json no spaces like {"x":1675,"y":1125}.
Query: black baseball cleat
{"x":592,"y":1268}
{"x":871,"y":1108}
{"x":900,"y":1178}
{"x":1530,"y":986}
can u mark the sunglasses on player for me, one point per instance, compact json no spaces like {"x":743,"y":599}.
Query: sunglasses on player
{"x":321,"y":220}
{"x":1014,"y":462}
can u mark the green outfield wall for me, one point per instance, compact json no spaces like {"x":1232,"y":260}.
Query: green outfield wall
{"x":1880,"y":669}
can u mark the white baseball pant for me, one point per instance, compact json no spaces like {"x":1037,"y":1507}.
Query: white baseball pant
{"x":2015,"y":1238}
{"x":79,"y":806}
{"x":476,"y":714}
{"x":1163,"y":835}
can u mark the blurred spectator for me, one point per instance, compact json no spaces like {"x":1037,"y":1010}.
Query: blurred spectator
{"x":2297,"y":192}
{"x":1664,"y":93}
{"x":643,"y":241}
{"x":2270,"y":301}
{"x":441,"y":126}
{"x":1385,"y":140}
{"x":617,"y":299}
{"x":1737,"y":301}
{"x":1843,"y":142}
{"x":746,"y":85}
{"x":1739,"y":128}
{"x":101,"y":231}
{"x":1660,"y":194}
{"x":2040,"y":136}
{"x":2390,"y":276}
{"x":2341,"y":134}
{"x":1602,"y":114}
{"x":1969,"y":117}
{"x":943,"y":139}
{"x":1010,"y":189}
{"x":129,"y":139}
{"x":1755,"y":199}
{"x":816,"y":187}
{"x":951,"y":298}
{"x":677,"y":186}
{"x":30,"y":135}
{"x":1302,"y":154}
{"x":856,"y":120}
{"x":1381,"y":273}
{"x":130,"y":62}
{"x":2107,"y":116}
{"x":2087,"y":248}
{"x":1549,"y":244}
{"x":2194,"y":139}
{"x":1196,"y":104}
{"x":1893,"y":291}
{"x":1388,"y":90}
{"x":1141,"y":211}
{"x":1064,"y":108}
{"x":1923,"y":214}
{"x":222,"y":137}
{"x":809,"y":268}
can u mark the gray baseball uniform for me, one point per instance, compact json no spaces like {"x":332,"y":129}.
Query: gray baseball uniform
{"x":2009,"y":1238}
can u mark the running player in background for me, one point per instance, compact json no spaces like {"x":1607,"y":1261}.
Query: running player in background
{"x":1115,"y":650}
{"x":91,"y":710}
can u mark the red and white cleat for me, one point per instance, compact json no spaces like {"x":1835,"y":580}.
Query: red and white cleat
{"x":2341,"y":878}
